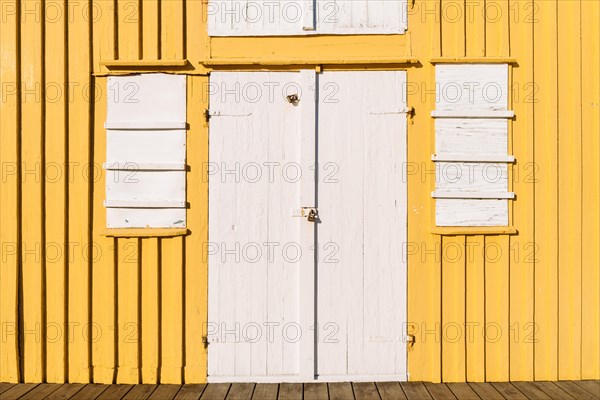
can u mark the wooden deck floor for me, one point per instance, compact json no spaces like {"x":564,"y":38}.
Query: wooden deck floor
{"x":563,"y":390}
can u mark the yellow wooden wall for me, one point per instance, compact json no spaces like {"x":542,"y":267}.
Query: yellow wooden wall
{"x":79,"y":306}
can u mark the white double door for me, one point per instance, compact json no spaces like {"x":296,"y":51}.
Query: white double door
{"x":307,"y":226}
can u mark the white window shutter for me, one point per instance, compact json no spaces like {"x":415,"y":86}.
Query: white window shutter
{"x":146,"y":151}
{"x":306,"y":17}
{"x":360,"y":17}
{"x":472,"y":157}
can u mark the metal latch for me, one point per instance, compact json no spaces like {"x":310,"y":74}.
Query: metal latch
{"x":310,"y":213}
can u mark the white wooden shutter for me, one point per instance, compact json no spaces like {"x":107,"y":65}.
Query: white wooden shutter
{"x":306,"y":17}
{"x":146,"y":155}
{"x":472,"y":145}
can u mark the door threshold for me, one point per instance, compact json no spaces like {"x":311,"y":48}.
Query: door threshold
{"x":298,"y":379}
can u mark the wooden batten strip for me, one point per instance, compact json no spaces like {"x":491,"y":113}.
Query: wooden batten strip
{"x":472,"y":114}
{"x":472,"y":158}
{"x":440,"y":194}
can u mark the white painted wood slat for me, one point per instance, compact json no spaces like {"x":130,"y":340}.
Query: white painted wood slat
{"x":470,"y":212}
{"x":471,"y":87}
{"x":471,"y":177}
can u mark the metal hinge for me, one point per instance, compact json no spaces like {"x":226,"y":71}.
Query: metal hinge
{"x":207,"y":115}
{"x":205,"y":341}
{"x":410,"y":341}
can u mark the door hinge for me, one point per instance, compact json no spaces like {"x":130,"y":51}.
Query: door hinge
{"x":410,"y":113}
{"x":205,"y":342}
{"x":207,"y":115}
{"x":410,"y":341}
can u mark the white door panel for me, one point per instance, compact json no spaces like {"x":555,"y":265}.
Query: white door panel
{"x":253,"y":267}
{"x":362,"y":290}
{"x":357,"y":131}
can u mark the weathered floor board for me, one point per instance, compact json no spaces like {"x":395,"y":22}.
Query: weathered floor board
{"x":559,"y":390}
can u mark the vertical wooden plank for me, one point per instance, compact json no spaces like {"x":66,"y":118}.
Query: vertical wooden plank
{"x":496,"y":308}
{"x":55,"y":194}
{"x":497,"y":43}
{"x":522,"y":247}
{"x":569,"y":194}
{"x":172,"y":292}
{"x":546,"y":199}
{"x":308,"y":137}
{"x":129,"y":18}
{"x":590,"y":274}
{"x":128,"y":310}
{"x":453,"y":28}
{"x":453,"y":309}
{"x":475,"y":28}
{"x":80,"y":178}
{"x":104,"y":279}
{"x":172,"y":35}
{"x":196,"y":29}
{"x":150,"y":307}
{"x":150,"y":29}
{"x":422,"y":248}
{"x":104,"y":270}
{"x":32,"y":137}
{"x":475,"y":309}
{"x":104,"y":46}
{"x":9,"y":197}
{"x":196,"y":264}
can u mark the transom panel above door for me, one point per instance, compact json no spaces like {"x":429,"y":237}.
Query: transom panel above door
{"x":307,"y":221}
{"x":306,"y":17}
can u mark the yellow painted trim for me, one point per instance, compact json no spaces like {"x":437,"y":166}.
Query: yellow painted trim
{"x":305,"y":61}
{"x":473,"y":60}
{"x":144,"y":232}
{"x":128,"y":64}
{"x":474,"y":230}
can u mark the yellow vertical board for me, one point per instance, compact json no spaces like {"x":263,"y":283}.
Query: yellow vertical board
{"x":569,"y":193}
{"x":32,"y":137}
{"x":453,"y":28}
{"x":522,"y":247}
{"x":150,"y":306}
{"x":80,"y":175}
{"x":55,"y":193}
{"x":196,"y":264}
{"x":172,"y":292}
{"x":422,"y":249}
{"x":9,"y":207}
{"x":497,"y":17}
{"x":150,"y":29}
{"x":196,"y":29}
{"x":475,"y":28}
{"x":104,"y":47}
{"x":546,"y":197}
{"x":103,"y":270}
{"x":128,"y":23}
{"x":496,"y":308}
{"x":453,"y":309}
{"x":129,"y":336}
{"x":453,"y":247}
{"x":590,"y":273}
{"x":172,"y":35}
{"x":475,"y":308}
